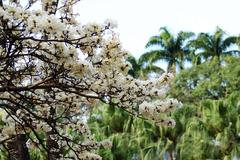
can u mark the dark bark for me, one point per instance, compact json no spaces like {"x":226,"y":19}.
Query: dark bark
{"x":52,"y":147}
{"x":17,"y":148}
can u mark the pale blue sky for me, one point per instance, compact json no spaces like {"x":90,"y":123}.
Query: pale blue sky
{"x":140,"y":19}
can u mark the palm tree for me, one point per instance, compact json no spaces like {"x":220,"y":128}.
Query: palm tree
{"x":209,"y":46}
{"x":172,"y":49}
{"x":141,"y":69}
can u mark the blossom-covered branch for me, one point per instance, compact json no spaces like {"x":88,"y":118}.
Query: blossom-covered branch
{"x":53,"y":69}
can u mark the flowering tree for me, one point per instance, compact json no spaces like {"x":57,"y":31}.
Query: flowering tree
{"x":53,"y":69}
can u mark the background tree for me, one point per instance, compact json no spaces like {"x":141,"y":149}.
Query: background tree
{"x":208,"y":46}
{"x":207,"y":126}
{"x":168,"y":47}
{"x":203,"y":82}
{"x":211,"y":110}
{"x":142,"y":69}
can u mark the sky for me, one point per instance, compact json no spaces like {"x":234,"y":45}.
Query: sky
{"x":138,"y":20}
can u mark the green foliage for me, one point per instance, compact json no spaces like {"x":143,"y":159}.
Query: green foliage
{"x":141,"y":68}
{"x":209,"y":46}
{"x":170,"y":48}
{"x":207,"y":81}
{"x":113,"y":123}
{"x":208,"y":124}
{"x":210,"y":118}
{"x":214,"y":133}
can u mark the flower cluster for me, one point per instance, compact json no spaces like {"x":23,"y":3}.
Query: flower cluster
{"x":54,"y":69}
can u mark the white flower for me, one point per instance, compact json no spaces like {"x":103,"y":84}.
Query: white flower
{"x":81,"y":64}
{"x":111,"y":23}
{"x":106,"y":143}
{"x":89,"y":156}
{"x":8,"y":131}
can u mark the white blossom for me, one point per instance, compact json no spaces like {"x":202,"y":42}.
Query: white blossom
{"x":61,"y":68}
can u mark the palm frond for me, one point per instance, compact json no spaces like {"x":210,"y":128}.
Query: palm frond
{"x":229,"y":41}
{"x":203,"y":42}
{"x":183,"y":36}
{"x":171,"y":47}
{"x":132,"y":60}
{"x":152,"y":69}
{"x":165,"y":31}
{"x":136,"y":67}
{"x":186,"y":35}
{"x":218,"y":33}
{"x":154,"y":41}
{"x":232,"y":52}
{"x":152,"y":56}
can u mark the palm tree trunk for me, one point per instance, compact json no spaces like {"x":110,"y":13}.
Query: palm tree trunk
{"x":172,"y":68}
